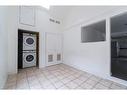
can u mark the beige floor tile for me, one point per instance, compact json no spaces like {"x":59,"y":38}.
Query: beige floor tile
{"x":91,"y":82}
{"x":57,"y":74}
{"x":29,"y":69}
{"x":35,"y":69}
{"x":66,"y":75}
{"x":77,"y":75}
{"x":86,"y":86}
{"x":46,"y":83}
{"x":37,"y":72}
{"x":46,"y":72}
{"x":100,"y":86}
{"x":12,"y":76}
{"x":78,"y":81}
{"x":41,"y":76}
{"x":49,"y":86}
{"x":61,"y":77}
{"x":106,"y":82}
{"x":85,"y":74}
{"x":11,"y":80}
{"x":53,"y":80}
{"x":30,"y":74}
{"x":83,"y":78}
{"x":42,"y":80}
{"x":50,"y":76}
{"x":58,"y":84}
{"x":65,"y":80}
{"x":21,"y":71}
{"x":9,"y":84}
{"x":31,"y":78}
{"x":117,"y":86}
{"x":36,"y":87}
{"x":20,"y":81}
{"x":63,"y":73}
{"x":79,"y":88}
{"x":120,"y":85}
{"x":22,"y":86}
{"x":71,"y":85}
{"x":21,"y":76}
{"x":70,"y":78}
{"x":34,"y":82}
{"x":63,"y":87}
{"x":10,"y":87}
{"x":95,"y":78}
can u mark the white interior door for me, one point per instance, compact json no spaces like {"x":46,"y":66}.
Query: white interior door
{"x":53,"y":49}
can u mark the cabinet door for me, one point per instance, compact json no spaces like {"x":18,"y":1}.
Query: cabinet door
{"x":27,"y":15}
{"x":53,"y":49}
{"x":59,"y":48}
{"x":50,"y":49}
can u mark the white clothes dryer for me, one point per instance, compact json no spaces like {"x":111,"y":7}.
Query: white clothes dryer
{"x":29,"y":41}
{"x":29,"y":58}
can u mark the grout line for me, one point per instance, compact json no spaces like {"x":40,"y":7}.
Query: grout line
{"x":84,"y":81}
{"x":110,"y":85}
{"x":105,"y":85}
{"x":27,"y":79}
{"x":95,"y":85}
{"x":16,"y":81}
{"x":36,"y":76}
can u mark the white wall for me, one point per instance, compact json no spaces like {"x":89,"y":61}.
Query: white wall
{"x":12,"y":38}
{"x":42,"y":26}
{"x":3,"y":46}
{"x":92,"y":57}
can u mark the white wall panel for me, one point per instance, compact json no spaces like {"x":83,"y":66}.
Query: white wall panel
{"x":27,"y":15}
{"x":3,"y":46}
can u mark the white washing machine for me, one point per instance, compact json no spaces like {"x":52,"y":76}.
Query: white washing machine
{"x":29,"y":58}
{"x":29,"y":41}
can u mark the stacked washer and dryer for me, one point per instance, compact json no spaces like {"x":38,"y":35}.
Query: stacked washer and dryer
{"x":29,"y":50}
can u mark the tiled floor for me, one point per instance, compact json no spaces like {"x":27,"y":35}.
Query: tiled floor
{"x":58,"y":77}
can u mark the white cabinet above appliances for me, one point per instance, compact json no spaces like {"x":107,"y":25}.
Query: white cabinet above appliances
{"x":27,"y":15}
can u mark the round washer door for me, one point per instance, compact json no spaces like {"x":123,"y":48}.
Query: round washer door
{"x":29,"y":58}
{"x":30,"y":41}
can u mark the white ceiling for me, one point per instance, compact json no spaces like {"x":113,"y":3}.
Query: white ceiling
{"x":59,"y":12}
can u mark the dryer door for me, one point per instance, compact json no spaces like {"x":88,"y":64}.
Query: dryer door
{"x":29,"y":59}
{"x":29,"y":42}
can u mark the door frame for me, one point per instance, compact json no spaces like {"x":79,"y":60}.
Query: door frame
{"x":20,"y":32}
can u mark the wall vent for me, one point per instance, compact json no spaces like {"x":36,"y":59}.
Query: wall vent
{"x":58,"y":57}
{"x":50,"y":58}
